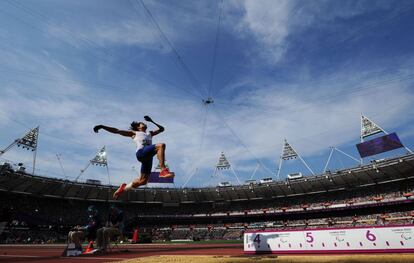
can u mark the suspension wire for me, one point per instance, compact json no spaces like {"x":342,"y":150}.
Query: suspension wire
{"x":200,"y":148}
{"x":399,"y":76}
{"x":308,"y":103}
{"x":213,"y":64}
{"x":82,"y":82}
{"x":179,"y":58}
{"x":353,"y":36}
{"x":387,"y":19}
{"x":85,"y":41}
{"x":241,"y":142}
{"x":162,"y":40}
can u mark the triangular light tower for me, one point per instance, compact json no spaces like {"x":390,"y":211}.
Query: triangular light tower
{"x":288,"y":153}
{"x":28,"y":142}
{"x":100,"y":159}
{"x":369,"y":128}
{"x":224,"y":164}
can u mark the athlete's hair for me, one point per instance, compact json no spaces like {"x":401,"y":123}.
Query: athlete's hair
{"x":135,"y":125}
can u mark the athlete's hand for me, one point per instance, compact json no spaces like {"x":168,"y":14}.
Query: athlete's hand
{"x":147,"y":118}
{"x":97,"y":128}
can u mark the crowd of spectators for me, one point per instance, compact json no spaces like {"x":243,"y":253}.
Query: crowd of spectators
{"x":35,"y":219}
{"x":235,"y":231}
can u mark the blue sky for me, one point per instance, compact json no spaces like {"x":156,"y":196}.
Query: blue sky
{"x":300,"y":70}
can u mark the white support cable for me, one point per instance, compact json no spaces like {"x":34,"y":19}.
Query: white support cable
{"x":214,"y":172}
{"x":340,"y":151}
{"x":82,"y":171}
{"x":350,"y":156}
{"x":279,"y":168}
{"x":307,"y":166}
{"x":194,"y":81}
{"x":189,"y":177}
{"x":280,"y":165}
{"x":241,"y":142}
{"x":201,"y":143}
{"x":34,"y":161}
{"x":109,"y":178}
{"x":213,"y":64}
{"x":254,"y":171}
{"x":329,"y":159}
{"x":234,"y":172}
{"x":61,"y":166}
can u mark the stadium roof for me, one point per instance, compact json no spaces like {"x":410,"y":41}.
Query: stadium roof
{"x":380,"y":172}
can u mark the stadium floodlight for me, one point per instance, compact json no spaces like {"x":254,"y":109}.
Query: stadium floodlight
{"x":28,"y":142}
{"x":369,"y":128}
{"x":100,"y":159}
{"x":224,"y":164}
{"x":288,"y":153}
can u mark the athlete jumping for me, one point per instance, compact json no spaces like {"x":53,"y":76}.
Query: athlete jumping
{"x":145,"y":152}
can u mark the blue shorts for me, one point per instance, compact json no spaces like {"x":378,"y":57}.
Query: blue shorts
{"x":145,"y":155}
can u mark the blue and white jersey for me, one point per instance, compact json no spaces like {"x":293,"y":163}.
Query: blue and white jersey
{"x":142,"y":139}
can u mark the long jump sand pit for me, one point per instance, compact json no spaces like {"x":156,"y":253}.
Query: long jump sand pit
{"x":382,"y":258}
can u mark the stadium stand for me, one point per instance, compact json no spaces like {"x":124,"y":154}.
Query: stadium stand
{"x":38,"y":209}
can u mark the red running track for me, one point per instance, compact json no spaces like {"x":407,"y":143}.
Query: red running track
{"x":52,"y":253}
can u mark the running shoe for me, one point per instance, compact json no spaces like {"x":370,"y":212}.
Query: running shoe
{"x":120,"y":190}
{"x":165,"y":173}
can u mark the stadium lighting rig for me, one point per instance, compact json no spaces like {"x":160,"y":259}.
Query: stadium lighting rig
{"x":27,"y":142}
{"x":378,"y":145}
{"x":101,"y":160}
{"x":288,"y":153}
{"x":224,"y":164}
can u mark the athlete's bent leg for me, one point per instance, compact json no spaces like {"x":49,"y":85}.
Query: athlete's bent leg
{"x":160,"y":147}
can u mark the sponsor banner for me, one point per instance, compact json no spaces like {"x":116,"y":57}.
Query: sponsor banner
{"x":379,"y":145}
{"x":155,"y":178}
{"x":334,"y":240}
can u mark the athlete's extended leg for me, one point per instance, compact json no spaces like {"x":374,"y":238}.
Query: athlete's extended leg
{"x":143,"y":180}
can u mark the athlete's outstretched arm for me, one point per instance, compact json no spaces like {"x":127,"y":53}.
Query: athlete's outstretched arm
{"x":160,"y":128}
{"x":113,"y":130}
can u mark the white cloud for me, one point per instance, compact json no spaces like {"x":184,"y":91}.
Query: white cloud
{"x":272,"y":23}
{"x":268,"y":22}
{"x":312,"y":116}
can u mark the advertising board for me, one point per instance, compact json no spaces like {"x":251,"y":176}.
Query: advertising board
{"x":377,"y":239}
